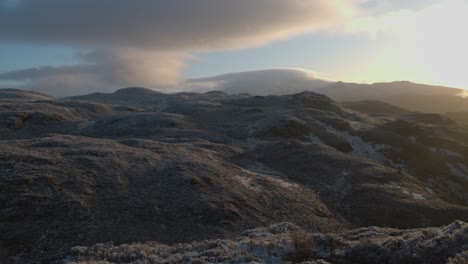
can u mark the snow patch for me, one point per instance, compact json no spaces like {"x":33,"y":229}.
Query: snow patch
{"x":367,"y":150}
{"x":272,"y":178}
{"x":407,"y":193}
{"x":414,"y":195}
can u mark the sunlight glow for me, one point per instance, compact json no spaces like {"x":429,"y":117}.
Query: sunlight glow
{"x":430,"y":43}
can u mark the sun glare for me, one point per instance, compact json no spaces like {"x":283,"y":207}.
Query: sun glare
{"x":430,"y":45}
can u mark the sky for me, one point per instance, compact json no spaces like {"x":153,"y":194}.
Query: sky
{"x":67,"y":47}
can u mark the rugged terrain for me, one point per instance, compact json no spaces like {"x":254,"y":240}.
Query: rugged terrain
{"x":138,"y":166}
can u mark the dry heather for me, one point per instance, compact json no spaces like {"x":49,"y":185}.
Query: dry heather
{"x":288,"y":243}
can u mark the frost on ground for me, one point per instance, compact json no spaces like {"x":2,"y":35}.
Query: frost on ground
{"x":406,"y":192}
{"x":360,"y":148}
{"x":139,"y":165}
{"x":368,"y":150}
{"x":365,"y":149}
{"x":286,"y":243}
{"x":262,"y":171}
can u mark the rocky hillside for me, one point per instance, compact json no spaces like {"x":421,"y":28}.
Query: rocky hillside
{"x":138,"y":165}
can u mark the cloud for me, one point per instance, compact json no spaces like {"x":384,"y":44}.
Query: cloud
{"x":147,"y":42}
{"x":261,"y":82}
{"x":166,"y":24}
{"x":430,"y":42}
{"x":105,"y":70}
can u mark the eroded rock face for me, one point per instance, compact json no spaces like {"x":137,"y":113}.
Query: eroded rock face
{"x":139,"y":165}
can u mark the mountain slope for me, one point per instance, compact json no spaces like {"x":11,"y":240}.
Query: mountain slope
{"x":375,"y":107}
{"x":341,"y":91}
{"x":138,"y":165}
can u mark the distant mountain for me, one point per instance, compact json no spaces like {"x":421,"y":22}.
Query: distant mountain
{"x":341,"y":91}
{"x":16,"y":94}
{"x":130,"y":95}
{"x":408,"y":95}
{"x":435,"y":103}
{"x":460,"y":117}
{"x":411,"y":96}
{"x":375,"y":107}
{"x":264,"y":82}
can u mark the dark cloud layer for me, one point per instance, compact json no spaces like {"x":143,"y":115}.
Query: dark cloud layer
{"x":146,"y":42}
{"x":165,"y":24}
